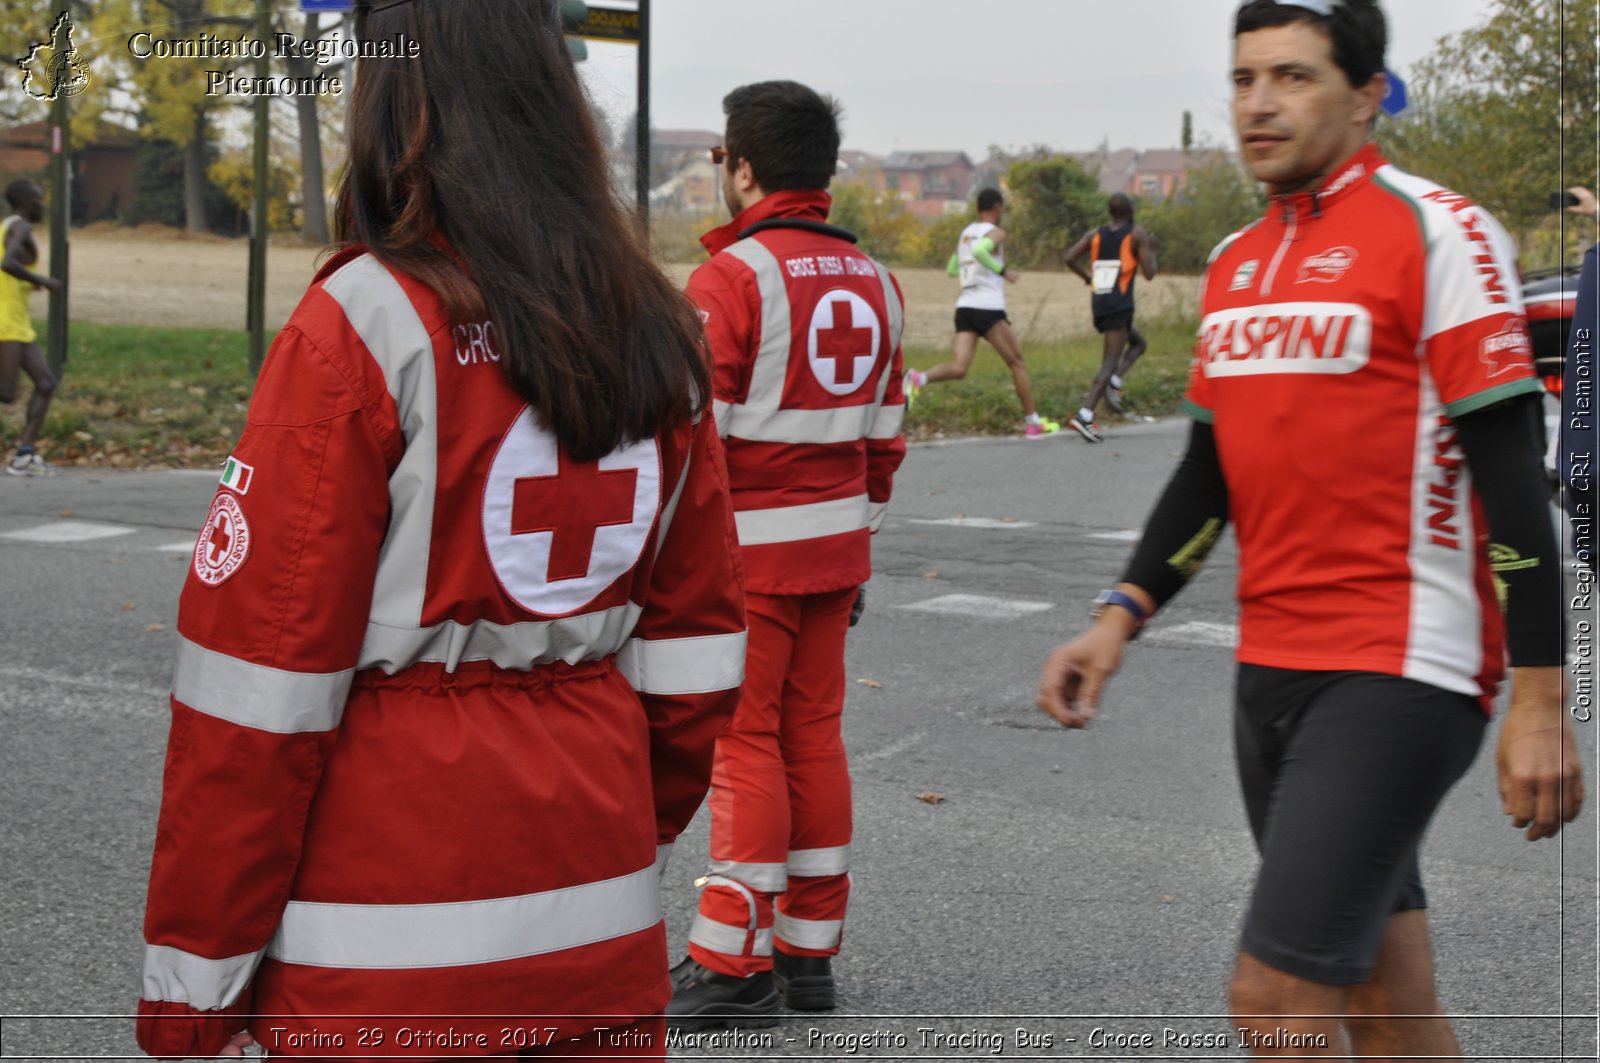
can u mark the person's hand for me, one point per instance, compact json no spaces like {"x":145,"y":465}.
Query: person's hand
{"x":1586,"y":205}
{"x":1075,"y":674}
{"x":859,"y":606}
{"x":236,"y":1045}
{"x":1541,"y":778}
{"x":50,"y":284}
{"x":1010,"y":276}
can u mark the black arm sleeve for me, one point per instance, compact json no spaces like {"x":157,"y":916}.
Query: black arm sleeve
{"x":1502,"y":451}
{"x":1186,"y":523}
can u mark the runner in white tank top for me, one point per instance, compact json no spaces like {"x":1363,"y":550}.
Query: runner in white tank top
{"x":979,"y":262}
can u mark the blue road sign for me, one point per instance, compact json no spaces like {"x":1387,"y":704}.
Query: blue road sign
{"x":327,"y":5}
{"x":1394,"y":101}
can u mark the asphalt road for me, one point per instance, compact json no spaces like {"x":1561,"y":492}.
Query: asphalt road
{"x":1065,"y":883}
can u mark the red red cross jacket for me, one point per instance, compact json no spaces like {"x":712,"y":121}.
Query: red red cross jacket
{"x":805,"y":333}
{"x":443,"y":698}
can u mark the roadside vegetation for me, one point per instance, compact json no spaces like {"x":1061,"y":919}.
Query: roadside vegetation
{"x":137,"y":397}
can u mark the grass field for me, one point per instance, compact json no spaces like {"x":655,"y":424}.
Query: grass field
{"x":156,"y":372}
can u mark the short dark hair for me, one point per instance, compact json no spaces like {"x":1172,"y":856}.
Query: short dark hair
{"x":989,"y":199}
{"x":22,"y":189}
{"x":786,"y":132}
{"x":1120,"y":206}
{"x":1357,"y":27}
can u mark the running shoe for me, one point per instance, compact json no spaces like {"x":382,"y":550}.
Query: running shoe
{"x":1084,"y":429}
{"x":1045,"y":427}
{"x":1114,"y":399}
{"x":912,"y":384}
{"x":30,"y":465}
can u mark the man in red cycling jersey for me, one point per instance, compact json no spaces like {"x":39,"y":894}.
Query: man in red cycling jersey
{"x":1363,"y":399}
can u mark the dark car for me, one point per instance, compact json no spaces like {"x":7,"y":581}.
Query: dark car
{"x":1550,"y":296}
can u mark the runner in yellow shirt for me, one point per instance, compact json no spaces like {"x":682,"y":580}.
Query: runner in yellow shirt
{"x":19,"y":346}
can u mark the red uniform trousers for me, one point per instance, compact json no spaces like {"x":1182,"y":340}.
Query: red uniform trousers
{"x":780,"y":793}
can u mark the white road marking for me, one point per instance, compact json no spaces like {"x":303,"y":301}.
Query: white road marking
{"x":1198,"y":633}
{"x":976,"y":522}
{"x":979,"y":606}
{"x":68,"y":531}
{"x":1132,"y":535}
{"x":178,"y":548}
{"x":893,"y":749}
{"x":78,"y":682}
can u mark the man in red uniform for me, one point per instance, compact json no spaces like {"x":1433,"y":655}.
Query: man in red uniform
{"x":805,"y":333}
{"x":1364,"y":410}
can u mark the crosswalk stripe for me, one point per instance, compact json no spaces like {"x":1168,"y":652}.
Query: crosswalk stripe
{"x":68,"y":531}
{"x":1198,"y":633}
{"x":975,"y":522}
{"x":979,"y":606}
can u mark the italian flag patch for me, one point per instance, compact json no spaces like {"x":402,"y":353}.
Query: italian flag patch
{"x":236,"y":475}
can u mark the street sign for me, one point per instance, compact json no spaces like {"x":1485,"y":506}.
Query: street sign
{"x":1394,"y":101}
{"x":327,"y":5}
{"x":610,"y":24}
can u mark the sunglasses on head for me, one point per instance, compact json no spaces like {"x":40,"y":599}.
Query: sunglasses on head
{"x":1322,"y":8}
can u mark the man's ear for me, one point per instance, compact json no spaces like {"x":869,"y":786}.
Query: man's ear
{"x":744,"y":176}
{"x":1371,"y":96}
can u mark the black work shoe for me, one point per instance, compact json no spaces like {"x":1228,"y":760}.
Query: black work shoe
{"x":806,"y":982}
{"x":702,"y":999}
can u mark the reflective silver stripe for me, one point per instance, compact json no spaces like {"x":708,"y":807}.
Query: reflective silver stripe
{"x":404,"y":936}
{"x":887,"y":420}
{"x":721,"y":411}
{"x":588,"y":637}
{"x":670,"y":510}
{"x":768,"y":878}
{"x":789,"y":524}
{"x":253,"y":695}
{"x":204,"y":984}
{"x":381,"y":314}
{"x":897,"y":311}
{"x":809,"y":933}
{"x":695,"y":665}
{"x":888,"y":423}
{"x":814,"y":862}
{"x":771,"y":368}
{"x":841,"y":424}
{"x":718,"y":937}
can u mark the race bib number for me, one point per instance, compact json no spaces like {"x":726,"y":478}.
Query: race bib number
{"x":1106,"y":271}
{"x":969,"y":273}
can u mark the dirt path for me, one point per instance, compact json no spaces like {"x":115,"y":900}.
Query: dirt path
{"x":140,"y":279}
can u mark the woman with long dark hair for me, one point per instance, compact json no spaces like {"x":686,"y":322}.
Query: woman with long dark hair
{"x":464,"y":618}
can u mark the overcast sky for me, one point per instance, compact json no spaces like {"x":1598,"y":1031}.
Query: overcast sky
{"x":961,"y":75}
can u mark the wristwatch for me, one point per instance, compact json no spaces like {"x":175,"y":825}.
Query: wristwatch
{"x":1111,"y":597}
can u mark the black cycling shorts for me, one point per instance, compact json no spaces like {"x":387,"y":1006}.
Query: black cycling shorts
{"x":971,"y":319}
{"x":1342,"y":772}
{"x":1117,"y":319}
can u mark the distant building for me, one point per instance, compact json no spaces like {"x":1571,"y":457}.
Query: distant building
{"x":860,"y":166}
{"x":1153,"y":175}
{"x":102,"y":170}
{"x":928,"y":175}
{"x":697,"y":186}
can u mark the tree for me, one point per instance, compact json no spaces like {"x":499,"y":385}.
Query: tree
{"x":1215,"y":199}
{"x":880,"y":222}
{"x":1187,"y":137}
{"x":1053,"y":201}
{"x":1505,"y":113}
{"x":173,"y":90}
